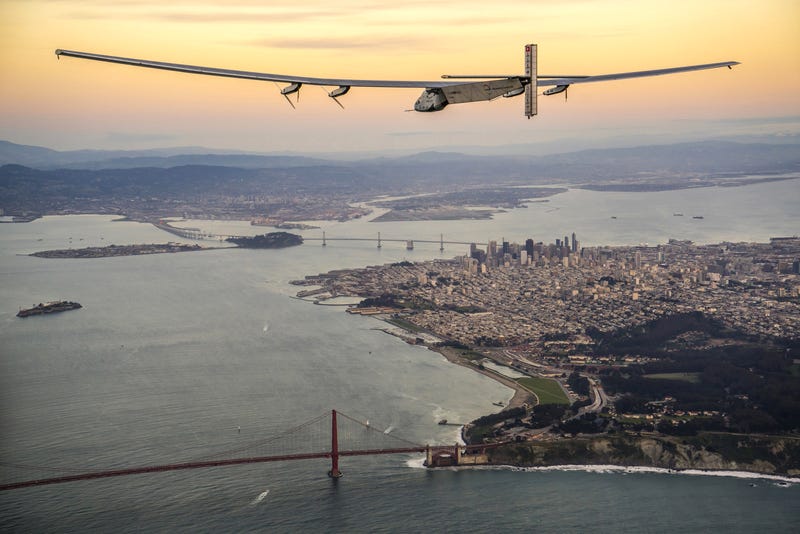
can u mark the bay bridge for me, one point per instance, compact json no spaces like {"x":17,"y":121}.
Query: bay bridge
{"x":331,"y":435}
{"x":198,"y":235}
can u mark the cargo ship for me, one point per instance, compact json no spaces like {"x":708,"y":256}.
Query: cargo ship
{"x":50,"y":307}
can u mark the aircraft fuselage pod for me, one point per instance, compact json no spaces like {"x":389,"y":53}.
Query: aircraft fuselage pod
{"x":431,"y":100}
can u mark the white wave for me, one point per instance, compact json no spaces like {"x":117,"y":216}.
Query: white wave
{"x":609,"y":469}
{"x":389,"y":429}
{"x":261,"y":497}
{"x":416,"y":463}
{"x":266,"y":327}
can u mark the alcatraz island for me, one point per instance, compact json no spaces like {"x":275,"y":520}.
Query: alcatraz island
{"x":676,"y":356}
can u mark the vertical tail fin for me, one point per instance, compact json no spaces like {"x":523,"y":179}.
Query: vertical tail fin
{"x":531,"y":87}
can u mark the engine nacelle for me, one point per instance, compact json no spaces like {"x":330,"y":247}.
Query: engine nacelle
{"x":291,"y":88}
{"x":431,"y":100}
{"x":555,"y":90}
{"x":515,"y":92}
{"x":341,"y":90}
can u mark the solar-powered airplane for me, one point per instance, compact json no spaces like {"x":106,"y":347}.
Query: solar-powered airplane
{"x":452,"y":89}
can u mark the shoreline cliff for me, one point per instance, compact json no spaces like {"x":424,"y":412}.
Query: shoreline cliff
{"x":770,"y":455}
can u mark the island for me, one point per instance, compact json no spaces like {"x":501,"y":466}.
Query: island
{"x":270,"y":240}
{"x":119,"y":250}
{"x":49,"y":307}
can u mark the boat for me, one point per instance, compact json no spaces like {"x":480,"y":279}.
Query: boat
{"x":49,"y":307}
{"x":443,"y":422}
{"x":697,"y":217}
{"x":498,"y":403}
{"x":677,"y":214}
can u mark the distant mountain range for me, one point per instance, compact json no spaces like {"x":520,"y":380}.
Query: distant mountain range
{"x":35,"y":176}
{"x":702,"y":157}
{"x":46,"y":158}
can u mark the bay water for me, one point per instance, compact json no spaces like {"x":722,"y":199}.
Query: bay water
{"x":177,"y":356}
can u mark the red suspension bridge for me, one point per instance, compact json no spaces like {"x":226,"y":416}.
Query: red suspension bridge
{"x":361,"y":439}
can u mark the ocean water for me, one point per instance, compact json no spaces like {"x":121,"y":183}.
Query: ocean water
{"x":177,"y":356}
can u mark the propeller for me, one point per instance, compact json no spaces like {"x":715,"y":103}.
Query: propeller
{"x":293,"y":87}
{"x":339,"y":91}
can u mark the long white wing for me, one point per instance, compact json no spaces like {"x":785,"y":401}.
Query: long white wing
{"x":228,"y":73}
{"x":542,"y":79}
{"x":569,"y":80}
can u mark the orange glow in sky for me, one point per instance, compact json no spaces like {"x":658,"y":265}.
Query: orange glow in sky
{"x":72,"y":103}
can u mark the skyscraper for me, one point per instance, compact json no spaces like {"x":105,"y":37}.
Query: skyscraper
{"x":529,"y":247}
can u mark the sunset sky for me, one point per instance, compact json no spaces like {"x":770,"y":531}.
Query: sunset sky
{"x":72,"y":103}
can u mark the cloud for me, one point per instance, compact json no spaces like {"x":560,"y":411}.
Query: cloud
{"x":339,"y":43}
{"x":244,"y":16}
{"x":383,"y":12}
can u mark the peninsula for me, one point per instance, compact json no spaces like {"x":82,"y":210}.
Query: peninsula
{"x":677,"y":356}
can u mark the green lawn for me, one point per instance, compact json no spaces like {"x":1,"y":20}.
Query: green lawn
{"x":547,"y":389}
{"x":694,"y":378}
{"x":405,"y":325}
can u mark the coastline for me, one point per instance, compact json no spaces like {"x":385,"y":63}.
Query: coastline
{"x":521,"y":395}
{"x":625,"y":470}
{"x":626,"y":453}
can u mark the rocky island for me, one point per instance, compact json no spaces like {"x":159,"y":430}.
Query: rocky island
{"x":270,"y":240}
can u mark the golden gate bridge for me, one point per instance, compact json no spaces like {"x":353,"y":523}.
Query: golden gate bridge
{"x":331,"y":435}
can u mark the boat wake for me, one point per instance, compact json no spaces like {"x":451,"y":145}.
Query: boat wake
{"x":416,"y":463}
{"x":261,"y":497}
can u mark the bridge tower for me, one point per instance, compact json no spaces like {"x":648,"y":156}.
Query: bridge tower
{"x":379,"y":240}
{"x":441,"y":242}
{"x":323,"y":239}
{"x":334,"y":472}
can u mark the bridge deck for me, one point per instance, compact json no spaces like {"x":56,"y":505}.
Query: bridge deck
{"x":221,"y":463}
